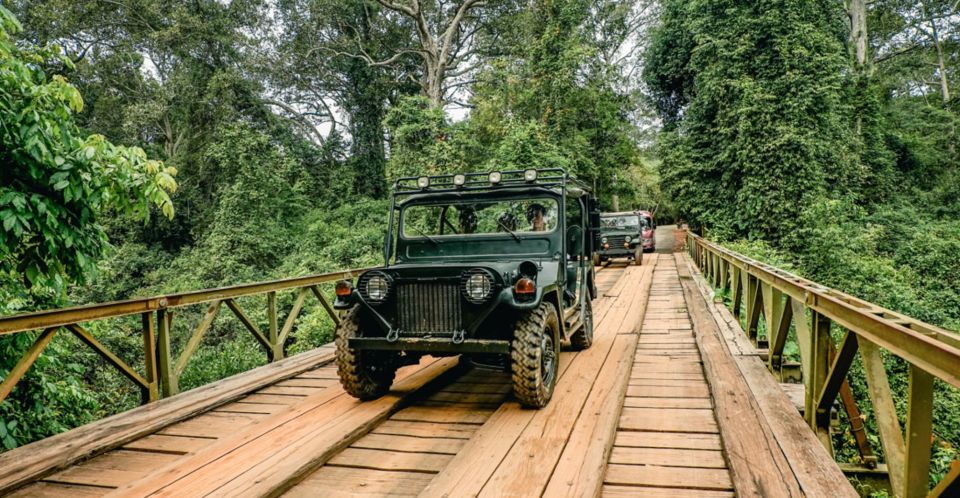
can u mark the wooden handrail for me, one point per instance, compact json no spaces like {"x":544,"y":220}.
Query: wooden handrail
{"x":785,"y":300}
{"x":162,"y":367}
{"x":64,"y":316}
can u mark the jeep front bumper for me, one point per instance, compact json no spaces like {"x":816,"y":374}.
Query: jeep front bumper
{"x":431,"y":345}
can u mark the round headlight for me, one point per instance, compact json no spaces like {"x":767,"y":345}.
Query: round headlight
{"x":459,"y":179}
{"x":604,"y":240}
{"x":627,"y":239}
{"x":477,"y":285}
{"x":494,"y":177}
{"x":423,"y":182}
{"x":376,"y":287}
{"x":530,"y":175}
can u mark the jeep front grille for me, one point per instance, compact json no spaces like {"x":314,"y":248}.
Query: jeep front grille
{"x":616,"y":241}
{"x":425,"y":308}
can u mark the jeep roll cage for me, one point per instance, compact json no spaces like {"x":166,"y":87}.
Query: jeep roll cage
{"x":509,"y":182}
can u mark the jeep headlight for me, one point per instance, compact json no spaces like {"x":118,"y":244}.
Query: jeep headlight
{"x":477,"y":285}
{"x":375,"y":287}
{"x":603,"y":240}
{"x":627,"y":239}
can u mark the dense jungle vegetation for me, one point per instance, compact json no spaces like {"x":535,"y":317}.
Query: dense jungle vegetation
{"x":153,"y":146}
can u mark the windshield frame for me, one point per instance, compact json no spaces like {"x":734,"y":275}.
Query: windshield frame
{"x":635,"y":228}
{"x":415,"y":237}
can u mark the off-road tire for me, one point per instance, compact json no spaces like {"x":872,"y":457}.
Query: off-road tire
{"x":583,"y":338}
{"x":638,"y":255}
{"x":532,"y":385}
{"x":364,"y":375}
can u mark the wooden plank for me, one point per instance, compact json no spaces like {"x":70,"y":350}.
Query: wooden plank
{"x":290,"y":390}
{"x":668,"y":420}
{"x":320,"y":373}
{"x":694,"y":382}
{"x":58,"y":490}
{"x":809,"y":464}
{"x":447,"y":446}
{"x":669,"y":477}
{"x":653,"y":492}
{"x":480,"y":458}
{"x":645,"y":375}
{"x":456,"y":387}
{"x":668,"y":457}
{"x":390,"y":460}
{"x":36,"y":459}
{"x":275,"y":454}
{"x":308,"y":382}
{"x":426,"y":429}
{"x":211,"y":425}
{"x":346,"y":482}
{"x":699,"y":403}
{"x":249,"y":408}
{"x":468,"y":397}
{"x":668,"y":391}
{"x":168,"y":444}
{"x":676,"y":440}
{"x":441,"y":414}
{"x":113,"y":469}
{"x":550,"y":428}
{"x":579,"y":471}
{"x":744,"y":431}
{"x":272,"y":399}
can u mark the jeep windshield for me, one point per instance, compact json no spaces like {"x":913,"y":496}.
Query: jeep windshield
{"x":621,"y":222}
{"x":468,"y":218}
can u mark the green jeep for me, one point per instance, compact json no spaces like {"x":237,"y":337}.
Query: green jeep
{"x":621,"y":235}
{"x":495,"y":267}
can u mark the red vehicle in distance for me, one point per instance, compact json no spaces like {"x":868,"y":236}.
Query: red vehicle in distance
{"x":647,"y":231}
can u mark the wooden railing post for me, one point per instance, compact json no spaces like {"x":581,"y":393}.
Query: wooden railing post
{"x":919,"y":430}
{"x":168,"y":380}
{"x":276,"y":348}
{"x":820,"y":343}
{"x":152,"y":393}
{"x":754,"y":305}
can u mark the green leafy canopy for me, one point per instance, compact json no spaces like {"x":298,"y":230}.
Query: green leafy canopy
{"x":54,"y":182}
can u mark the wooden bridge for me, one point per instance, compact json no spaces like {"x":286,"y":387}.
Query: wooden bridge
{"x":686,"y":391}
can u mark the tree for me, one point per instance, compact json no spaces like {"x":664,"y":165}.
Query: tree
{"x":56,"y":184}
{"x":319,"y":83}
{"x":446,"y":41}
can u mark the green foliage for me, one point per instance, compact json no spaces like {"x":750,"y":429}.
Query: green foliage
{"x":55,"y":184}
{"x":761,"y":134}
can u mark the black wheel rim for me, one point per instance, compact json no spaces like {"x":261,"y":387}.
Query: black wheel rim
{"x":548,"y":359}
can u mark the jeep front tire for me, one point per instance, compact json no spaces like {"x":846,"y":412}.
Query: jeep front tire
{"x":364,"y":375}
{"x":583,"y":337}
{"x":638,"y":255}
{"x":534,"y":354}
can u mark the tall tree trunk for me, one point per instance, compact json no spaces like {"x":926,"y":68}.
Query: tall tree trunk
{"x":857,"y":11}
{"x":366,"y":104}
{"x":944,"y":84}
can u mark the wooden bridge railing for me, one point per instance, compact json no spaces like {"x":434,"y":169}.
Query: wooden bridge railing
{"x":788,"y":302}
{"x":162,"y":369}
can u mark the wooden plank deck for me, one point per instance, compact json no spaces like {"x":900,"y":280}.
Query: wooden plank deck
{"x":649,"y":410}
{"x":667,"y":441}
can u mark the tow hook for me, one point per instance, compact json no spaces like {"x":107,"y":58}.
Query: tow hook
{"x":459,"y":336}
{"x":393,"y":335}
